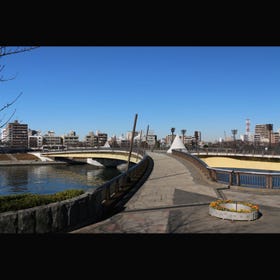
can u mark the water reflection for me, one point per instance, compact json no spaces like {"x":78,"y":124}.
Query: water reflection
{"x":21,"y":179}
{"x":91,"y":174}
{"x":52,"y":178}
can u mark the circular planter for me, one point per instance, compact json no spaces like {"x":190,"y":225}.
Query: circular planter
{"x":234,"y":210}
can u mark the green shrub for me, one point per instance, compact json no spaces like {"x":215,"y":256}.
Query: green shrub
{"x":22,"y":201}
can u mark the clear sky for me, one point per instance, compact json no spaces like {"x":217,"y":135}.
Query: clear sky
{"x":209,"y":89}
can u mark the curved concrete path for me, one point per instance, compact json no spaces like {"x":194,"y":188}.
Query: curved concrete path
{"x":175,"y":199}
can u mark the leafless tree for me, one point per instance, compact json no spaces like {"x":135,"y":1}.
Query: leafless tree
{"x":5,"y":51}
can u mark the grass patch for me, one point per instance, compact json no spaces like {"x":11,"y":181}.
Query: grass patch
{"x":16,"y":202}
{"x":4,"y":157}
{"x":25,"y":156}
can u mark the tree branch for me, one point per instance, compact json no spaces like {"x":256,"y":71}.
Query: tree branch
{"x":4,"y":51}
{"x":4,"y":124}
{"x":11,"y":103}
{"x":7,"y":79}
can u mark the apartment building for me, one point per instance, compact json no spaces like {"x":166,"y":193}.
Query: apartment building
{"x":70,"y":139}
{"x":16,"y":135}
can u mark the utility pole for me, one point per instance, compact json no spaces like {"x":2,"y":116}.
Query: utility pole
{"x":139,"y":144}
{"x":146,"y":141}
{"x":131,"y":141}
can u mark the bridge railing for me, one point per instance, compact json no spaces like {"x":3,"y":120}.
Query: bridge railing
{"x":232,"y":177}
{"x":88,"y":149}
{"x":207,"y":153}
{"x":112,"y":190}
{"x":259,"y":180}
{"x":261,"y":151}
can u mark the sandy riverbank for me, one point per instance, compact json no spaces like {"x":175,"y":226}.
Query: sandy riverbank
{"x":237,"y":163}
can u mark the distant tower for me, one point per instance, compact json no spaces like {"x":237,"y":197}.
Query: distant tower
{"x":247,"y":127}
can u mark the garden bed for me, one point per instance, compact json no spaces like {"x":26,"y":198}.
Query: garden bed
{"x":234,"y":210}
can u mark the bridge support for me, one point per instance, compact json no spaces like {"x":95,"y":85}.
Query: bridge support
{"x":104,"y":162}
{"x":94,"y":162}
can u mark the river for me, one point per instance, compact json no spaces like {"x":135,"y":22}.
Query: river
{"x":48,"y":179}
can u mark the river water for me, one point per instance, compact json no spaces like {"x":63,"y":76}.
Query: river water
{"x":48,"y":179}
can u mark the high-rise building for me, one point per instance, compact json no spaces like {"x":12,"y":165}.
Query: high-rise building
{"x":264,"y":131}
{"x":16,"y":135}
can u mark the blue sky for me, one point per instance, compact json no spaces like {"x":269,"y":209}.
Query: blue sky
{"x":210,"y":89}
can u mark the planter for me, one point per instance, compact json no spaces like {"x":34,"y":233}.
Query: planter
{"x":234,"y":210}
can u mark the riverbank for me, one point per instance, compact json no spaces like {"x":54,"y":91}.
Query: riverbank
{"x":29,"y":162}
{"x":26,"y":159}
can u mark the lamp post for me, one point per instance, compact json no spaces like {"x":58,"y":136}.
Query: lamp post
{"x":270,"y":128}
{"x":184,"y":132}
{"x":172,"y":132}
{"x":234,"y":132}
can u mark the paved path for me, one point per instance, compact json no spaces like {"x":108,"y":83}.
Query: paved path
{"x":175,"y":199}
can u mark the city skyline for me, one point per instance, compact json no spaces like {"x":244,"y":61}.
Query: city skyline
{"x":208,"y":89}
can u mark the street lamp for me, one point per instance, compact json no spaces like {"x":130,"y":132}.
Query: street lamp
{"x":172,"y":132}
{"x":234,"y":132}
{"x":184,"y":132}
{"x":270,"y":128}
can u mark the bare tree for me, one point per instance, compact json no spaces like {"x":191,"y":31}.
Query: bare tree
{"x":5,"y":51}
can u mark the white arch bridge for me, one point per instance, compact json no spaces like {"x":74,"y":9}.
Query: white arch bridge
{"x":98,"y":157}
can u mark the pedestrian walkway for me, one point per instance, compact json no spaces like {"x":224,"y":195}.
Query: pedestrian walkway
{"x":175,"y":199}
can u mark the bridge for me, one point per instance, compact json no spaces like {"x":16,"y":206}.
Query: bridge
{"x":98,"y":157}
